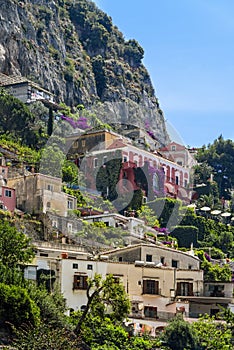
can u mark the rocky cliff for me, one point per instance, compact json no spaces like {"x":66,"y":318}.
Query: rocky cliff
{"x":72,"y":49}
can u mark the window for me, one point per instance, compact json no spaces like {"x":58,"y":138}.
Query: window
{"x":177,"y":180}
{"x":173,"y":148}
{"x":213,"y":287}
{"x":162,"y":260}
{"x":175,"y":263}
{"x":69,"y":227}
{"x":116,"y":279}
{"x":54,"y":222}
{"x":70,"y":204}
{"x":95,"y":162}
{"x":50,"y":187}
{"x":83,"y":307}
{"x":134,"y":310}
{"x":216,"y":290}
{"x":48,"y":205}
{"x":83,"y":142}
{"x":184,"y":289}
{"x":75,"y":266}
{"x":120,"y":258}
{"x":150,"y":311}
{"x":150,"y":287}
{"x":104,"y":160}
{"x":44,"y":254}
{"x":148,"y":257}
{"x":30,"y":273}
{"x":179,"y":162}
{"x":125,"y":159}
{"x":80,"y":282}
{"x":8,"y":193}
{"x":185,"y":183}
{"x":89,"y":267}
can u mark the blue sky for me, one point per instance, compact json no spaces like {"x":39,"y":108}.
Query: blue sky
{"x":189,"y":53}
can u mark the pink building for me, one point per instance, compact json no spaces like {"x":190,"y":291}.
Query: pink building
{"x":7,"y":198}
{"x":159,"y":176}
{"x":179,"y":154}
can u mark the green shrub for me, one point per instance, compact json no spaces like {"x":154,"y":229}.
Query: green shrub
{"x":16,"y":306}
{"x":186,"y":235}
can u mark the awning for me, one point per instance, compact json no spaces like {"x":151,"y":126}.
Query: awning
{"x":205,"y":209}
{"x":226,"y":214}
{"x":215,"y":212}
{"x":170,"y":188}
{"x":182,"y":193}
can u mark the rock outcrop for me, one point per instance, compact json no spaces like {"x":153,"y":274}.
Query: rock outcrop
{"x":72,"y":49}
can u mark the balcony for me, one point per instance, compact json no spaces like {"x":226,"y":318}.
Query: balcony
{"x":218,"y":289}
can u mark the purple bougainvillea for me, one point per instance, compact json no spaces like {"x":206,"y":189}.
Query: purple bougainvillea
{"x":159,"y":191}
{"x":207,"y":257}
{"x":81,"y":123}
{"x":165,"y":242}
{"x":162,"y":230}
{"x":149,"y":130}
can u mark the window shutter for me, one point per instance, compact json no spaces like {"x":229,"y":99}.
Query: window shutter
{"x":178,"y":291}
{"x":144,"y":286}
{"x":85,"y":282}
{"x":190,"y":289}
{"x":156,"y":287}
{"x":75,"y":284}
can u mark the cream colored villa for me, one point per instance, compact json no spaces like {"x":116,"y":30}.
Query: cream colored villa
{"x":160,"y":282}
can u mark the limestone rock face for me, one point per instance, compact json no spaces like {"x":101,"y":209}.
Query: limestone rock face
{"x":72,"y":49}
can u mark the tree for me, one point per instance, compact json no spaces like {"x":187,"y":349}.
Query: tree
{"x":226,"y":241}
{"x":16,"y":306}
{"x":105,"y":296}
{"x":220,"y":157}
{"x":212,"y":335}
{"x":108,"y":176}
{"x":185,"y":235}
{"x":52,"y":305}
{"x":50,"y":122}
{"x":147,"y":214}
{"x":180,"y":335}
{"x":213,"y":272}
{"x":16,"y":119}
{"x":168,"y":211}
{"x":11,"y":275}
{"x":15,"y":246}
{"x":102,"y":333}
{"x":45,"y":336}
{"x":69,"y":172}
{"x":52,"y":160}
{"x":202,"y":173}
